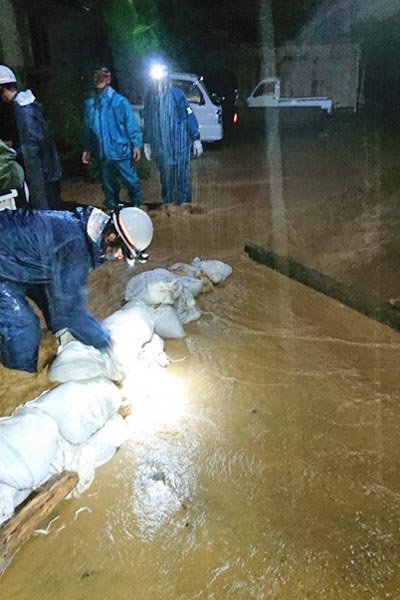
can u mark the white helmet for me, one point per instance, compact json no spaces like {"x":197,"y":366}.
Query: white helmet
{"x":135,"y":229}
{"x":6,"y":75}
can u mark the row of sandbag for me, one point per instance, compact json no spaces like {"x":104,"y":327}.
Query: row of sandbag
{"x":170,"y":294}
{"x":76,"y":426}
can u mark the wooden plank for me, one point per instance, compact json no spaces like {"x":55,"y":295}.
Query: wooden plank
{"x":17,"y":530}
{"x":346,"y":294}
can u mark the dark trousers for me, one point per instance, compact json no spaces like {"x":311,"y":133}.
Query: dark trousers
{"x":175,"y":182}
{"x":20,"y":331}
{"x":115,"y":172}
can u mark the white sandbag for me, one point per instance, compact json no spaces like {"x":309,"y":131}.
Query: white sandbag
{"x":27,"y":446}
{"x":158,"y":286}
{"x":79,"y":408}
{"x":70,"y":457}
{"x":193,"y":285}
{"x":130,"y":329}
{"x":10,"y":498}
{"x":102,"y":445}
{"x":216,"y":270}
{"x":76,"y":361}
{"x":153,"y":353}
{"x":167,"y":323}
{"x":85,"y":458}
{"x":184,"y":270}
{"x":186,"y":307}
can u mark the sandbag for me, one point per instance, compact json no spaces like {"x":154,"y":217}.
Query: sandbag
{"x":167,"y":323}
{"x":216,"y":270}
{"x":154,"y":287}
{"x":130,"y":329}
{"x":192,"y":284}
{"x":79,"y":408}
{"x":160,"y":287}
{"x":10,"y":498}
{"x":85,"y":458}
{"x":184,"y":270}
{"x":186,"y":307}
{"x":153,"y":353}
{"x":27,"y":446}
{"x":76,"y":361}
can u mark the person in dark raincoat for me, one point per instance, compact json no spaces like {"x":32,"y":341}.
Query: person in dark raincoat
{"x":33,"y":143}
{"x":46,"y":256}
{"x":170,"y":133}
{"x":113,"y":136}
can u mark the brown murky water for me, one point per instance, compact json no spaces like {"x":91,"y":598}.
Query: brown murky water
{"x":276,"y":474}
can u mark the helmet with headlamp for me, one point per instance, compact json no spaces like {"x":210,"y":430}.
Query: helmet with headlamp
{"x":135,"y":232}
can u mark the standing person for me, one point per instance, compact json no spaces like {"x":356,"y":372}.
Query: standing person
{"x":47,"y":256}
{"x":33,"y":143}
{"x":113,"y":136}
{"x":171,"y":130}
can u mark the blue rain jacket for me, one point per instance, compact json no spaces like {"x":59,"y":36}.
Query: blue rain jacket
{"x":110,"y":129}
{"x":53,"y":250}
{"x":170,"y":126}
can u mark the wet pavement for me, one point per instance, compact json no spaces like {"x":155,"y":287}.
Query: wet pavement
{"x":271,"y":469}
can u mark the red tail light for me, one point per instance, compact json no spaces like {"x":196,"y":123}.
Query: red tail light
{"x":235,"y":118}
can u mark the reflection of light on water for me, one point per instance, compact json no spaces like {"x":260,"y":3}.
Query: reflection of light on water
{"x":158,"y":399}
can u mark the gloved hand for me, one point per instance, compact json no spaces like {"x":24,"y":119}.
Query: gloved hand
{"x":147,"y":151}
{"x":197,"y":148}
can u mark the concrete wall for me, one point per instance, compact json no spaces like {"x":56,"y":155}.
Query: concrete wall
{"x":322,"y":70}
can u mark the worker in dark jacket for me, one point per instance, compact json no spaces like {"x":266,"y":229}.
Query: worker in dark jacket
{"x":112,"y":135}
{"x":171,"y":132}
{"x":33,"y":143}
{"x":47,"y":256}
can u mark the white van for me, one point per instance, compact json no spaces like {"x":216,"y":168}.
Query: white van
{"x":208,"y":114}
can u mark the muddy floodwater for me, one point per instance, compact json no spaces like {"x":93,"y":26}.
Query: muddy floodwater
{"x":270,"y":468}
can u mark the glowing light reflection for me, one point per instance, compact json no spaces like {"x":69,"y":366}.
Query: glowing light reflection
{"x":158,"y":400}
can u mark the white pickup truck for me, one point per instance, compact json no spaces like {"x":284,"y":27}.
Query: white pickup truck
{"x":267,"y":94}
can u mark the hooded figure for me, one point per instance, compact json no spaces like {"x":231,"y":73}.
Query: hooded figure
{"x":171,"y":131}
{"x":46,"y":256}
{"x":33,"y":143}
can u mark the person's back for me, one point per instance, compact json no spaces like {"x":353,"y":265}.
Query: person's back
{"x":45,"y":255}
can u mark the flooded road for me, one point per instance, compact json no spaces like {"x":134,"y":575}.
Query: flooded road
{"x":272,"y":468}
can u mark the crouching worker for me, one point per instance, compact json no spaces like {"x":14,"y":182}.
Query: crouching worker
{"x":47,"y":256}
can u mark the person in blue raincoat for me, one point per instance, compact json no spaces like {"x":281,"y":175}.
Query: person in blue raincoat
{"x":112,"y":135}
{"x":33,"y":143}
{"x":170,"y":133}
{"x":46,"y":256}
